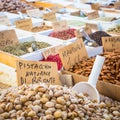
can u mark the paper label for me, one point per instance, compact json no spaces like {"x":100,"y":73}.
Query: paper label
{"x":111,"y":43}
{"x":77,"y":13}
{"x":4,"y":20}
{"x":88,"y":29}
{"x":92,"y":26}
{"x":7,"y":38}
{"x":60,"y":25}
{"x":34,"y":13}
{"x":95,"y":6}
{"x":56,"y":8}
{"x":51,"y":51}
{"x":31,"y":72}
{"x":25,"y":24}
{"x":93,"y":15}
{"x":72,"y":54}
{"x":50,"y":16}
{"x":117,"y":5}
{"x":66,"y":80}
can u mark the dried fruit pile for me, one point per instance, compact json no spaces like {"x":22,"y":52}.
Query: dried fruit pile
{"x":22,"y":48}
{"x":54,"y":58}
{"x":64,"y":35}
{"x":14,"y":6}
{"x":43,"y":102}
{"x":110,"y":71}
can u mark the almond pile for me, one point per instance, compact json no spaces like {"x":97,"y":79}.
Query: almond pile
{"x":110,"y":71}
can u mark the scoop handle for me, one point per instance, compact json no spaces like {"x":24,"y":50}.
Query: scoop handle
{"x":93,"y":78}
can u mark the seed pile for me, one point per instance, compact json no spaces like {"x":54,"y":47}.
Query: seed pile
{"x":110,"y":71}
{"x":97,"y":36}
{"x":44,"y":102}
{"x":22,"y":48}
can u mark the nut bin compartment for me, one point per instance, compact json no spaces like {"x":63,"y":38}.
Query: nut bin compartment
{"x":10,"y":59}
{"x":47,"y":33}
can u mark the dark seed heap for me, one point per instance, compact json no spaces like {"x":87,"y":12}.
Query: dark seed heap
{"x":97,"y":36}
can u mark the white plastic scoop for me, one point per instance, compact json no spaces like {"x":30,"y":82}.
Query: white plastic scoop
{"x":90,"y":86}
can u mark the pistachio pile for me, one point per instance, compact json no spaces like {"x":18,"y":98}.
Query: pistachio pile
{"x":53,"y":102}
{"x":23,"y":48}
{"x":110,"y":71}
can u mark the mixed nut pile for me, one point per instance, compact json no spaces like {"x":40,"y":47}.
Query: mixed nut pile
{"x":53,"y":102}
{"x":115,"y":30}
{"x":23,"y":48}
{"x":110,"y":71}
{"x":14,"y":6}
{"x":64,"y":35}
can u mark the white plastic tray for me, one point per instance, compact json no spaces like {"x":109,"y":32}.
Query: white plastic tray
{"x":3,"y":27}
{"x":46,"y":33}
{"x":21,"y":34}
{"x":93,"y":51}
{"x":37,"y":55}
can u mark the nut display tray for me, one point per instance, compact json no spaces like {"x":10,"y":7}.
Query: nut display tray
{"x":46,"y":33}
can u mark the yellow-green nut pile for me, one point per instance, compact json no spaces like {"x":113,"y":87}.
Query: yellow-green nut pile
{"x":115,"y":29}
{"x":50,"y":102}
